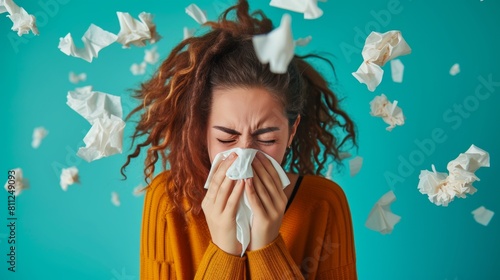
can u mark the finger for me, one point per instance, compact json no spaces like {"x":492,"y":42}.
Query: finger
{"x":233,"y":201}
{"x":218,"y":177}
{"x":262,"y":193}
{"x":268,"y":165}
{"x":253,"y":198}
{"x":276,"y":195}
{"x":266,"y":179}
{"x":268,"y":170}
{"x":225,"y":190}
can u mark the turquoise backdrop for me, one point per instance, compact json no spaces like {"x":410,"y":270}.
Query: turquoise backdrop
{"x":79,"y":234}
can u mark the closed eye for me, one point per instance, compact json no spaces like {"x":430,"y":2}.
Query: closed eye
{"x":225,"y":141}
{"x":267,"y":142}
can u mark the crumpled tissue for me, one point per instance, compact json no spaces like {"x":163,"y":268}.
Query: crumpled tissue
{"x":22,"y":21}
{"x":69,"y":176}
{"x":134,"y":32}
{"x":442,"y":188}
{"x":379,"y":48}
{"x":196,"y":13}
{"x":104,"y":112}
{"x":381,"y":218}
{"x":76,"y":78}
{"x":277,"y":47}
{"x":94,"y":39}
{"x":309,"y":8}
{"x":38,"y":134}
{"x":391,"y":113}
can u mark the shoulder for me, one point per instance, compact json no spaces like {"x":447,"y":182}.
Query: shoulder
{"x":321,"y":187}
{"x":319,"y":190}
{"x":156,"y":198}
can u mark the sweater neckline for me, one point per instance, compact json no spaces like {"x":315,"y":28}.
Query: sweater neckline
{"x":294,"y":192}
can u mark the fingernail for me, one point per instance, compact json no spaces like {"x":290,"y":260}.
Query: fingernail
{"x":232,"y":155}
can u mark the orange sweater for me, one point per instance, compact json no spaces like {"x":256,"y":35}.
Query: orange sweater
{"x":315,"y":241}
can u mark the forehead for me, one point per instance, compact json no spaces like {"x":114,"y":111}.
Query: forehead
{"x":257,"y":100}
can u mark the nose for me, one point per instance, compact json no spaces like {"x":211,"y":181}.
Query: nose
{"x":247,"y":144}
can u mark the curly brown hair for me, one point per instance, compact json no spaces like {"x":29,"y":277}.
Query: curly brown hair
{"x":176,"y":104}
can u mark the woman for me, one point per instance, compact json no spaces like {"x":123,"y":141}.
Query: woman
{"x":210,"y":95}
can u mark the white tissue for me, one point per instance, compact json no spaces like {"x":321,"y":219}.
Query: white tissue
{"x":20,"y":183}
{"x":151,"y":56}
{"x":302,"y":42}
{"x":482,"y":215}
{"x":397,"y":70}
{"x":442,"y":188}
{"x":22,"y":21}
{"x":242,"y":169}
{"x":104,"y":139}
{"x":134,"y":32}
{"x":379,"y":48}
{"x":389,"y":112}
{"x":309,"y":8}
{"x":188,"y":32}
{"x":115,"y":199}
{"x":104,"y":112}
{"x":355,"y":165}
{"x":76,"y":78}
{"x":381,"y":218}
{"x":69,"y":176}
{"x":138,"y":69}
{"x":38,"y":134}
{"x":93,"y":105}
{"x":94,"y":39}
{"x":196,"y":13}
{"x":344,"y":155}
{"x":328,"y":174}
{"x":138,"y":190}
{"x":455,"y":69}
{"x":434,"y":184}
{"x":277,"y":47}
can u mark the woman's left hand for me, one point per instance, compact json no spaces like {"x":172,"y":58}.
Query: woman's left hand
{"x":268,"y":201}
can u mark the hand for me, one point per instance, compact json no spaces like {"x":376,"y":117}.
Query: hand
{"x":220,"y":205}
{"x":268,"y":201}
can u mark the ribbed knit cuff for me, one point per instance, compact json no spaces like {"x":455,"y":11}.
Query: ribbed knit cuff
{"x":217,"y":264}
{"x":273,"y":262}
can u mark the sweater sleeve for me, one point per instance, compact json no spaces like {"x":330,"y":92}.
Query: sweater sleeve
{"x":217,"y":264}
{"x":153,"y":262}
{"x":273,"y":262}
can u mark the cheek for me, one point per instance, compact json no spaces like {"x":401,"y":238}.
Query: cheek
{"x":213,"y":149}
{"x":276,"y":151}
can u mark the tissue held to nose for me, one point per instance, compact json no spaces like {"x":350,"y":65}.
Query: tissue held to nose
{"x":242,"y":169}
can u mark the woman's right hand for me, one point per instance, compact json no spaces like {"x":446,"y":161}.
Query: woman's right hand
{"x":220,"y":205}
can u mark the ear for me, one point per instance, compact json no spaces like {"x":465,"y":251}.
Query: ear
{"x":293,"y":131}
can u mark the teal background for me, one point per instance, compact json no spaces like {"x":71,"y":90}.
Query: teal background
{"x":79,"y":234}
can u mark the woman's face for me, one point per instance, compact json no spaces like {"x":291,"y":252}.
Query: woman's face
{"x":248,"y":118}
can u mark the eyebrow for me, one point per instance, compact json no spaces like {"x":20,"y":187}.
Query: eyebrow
{"x":255,"y":133}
